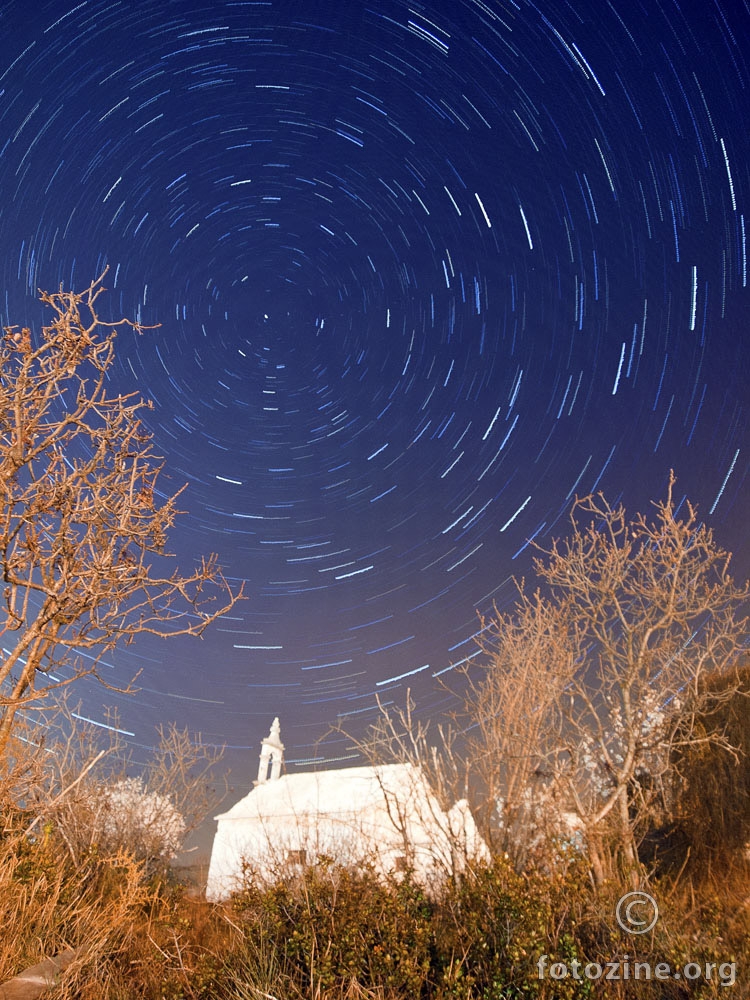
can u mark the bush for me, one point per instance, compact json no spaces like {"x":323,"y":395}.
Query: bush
{"x":329,"y":926}
{"x":493,"y":925}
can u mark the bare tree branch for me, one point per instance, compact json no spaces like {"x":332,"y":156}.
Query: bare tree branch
{"x":83,"y":522}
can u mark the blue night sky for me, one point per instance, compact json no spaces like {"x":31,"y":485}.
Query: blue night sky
{"x":423,"y":272}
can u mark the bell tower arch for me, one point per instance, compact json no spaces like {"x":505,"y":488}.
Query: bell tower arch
{"x":271,"y":755}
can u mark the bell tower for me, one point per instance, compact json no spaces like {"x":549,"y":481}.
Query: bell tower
{"x":271,"y":755}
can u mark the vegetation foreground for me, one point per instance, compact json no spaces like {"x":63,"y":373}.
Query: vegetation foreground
{"x":330,"y":932}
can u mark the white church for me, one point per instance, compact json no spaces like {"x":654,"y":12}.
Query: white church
{"x":385,"y":813}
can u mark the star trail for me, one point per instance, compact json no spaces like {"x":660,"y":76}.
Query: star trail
{"x":423,"y":273}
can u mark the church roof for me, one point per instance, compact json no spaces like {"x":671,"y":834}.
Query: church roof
{"x":349,"y":789}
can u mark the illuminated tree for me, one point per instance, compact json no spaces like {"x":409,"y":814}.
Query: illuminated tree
{"x":83,"y":529}
{"x":593,"y":685}
{"x":513,"y":720}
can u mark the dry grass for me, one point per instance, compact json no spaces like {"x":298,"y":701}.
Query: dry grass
{"x":47,"y":906}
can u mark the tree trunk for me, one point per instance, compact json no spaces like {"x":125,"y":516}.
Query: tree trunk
{"x":631,"y":866}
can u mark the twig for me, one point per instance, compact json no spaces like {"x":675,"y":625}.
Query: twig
{"x":70,"y":787}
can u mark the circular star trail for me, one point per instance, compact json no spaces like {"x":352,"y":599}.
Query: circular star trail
{"x":422,"y":273}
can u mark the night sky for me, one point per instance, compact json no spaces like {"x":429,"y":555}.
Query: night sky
{"x":423,"y":272}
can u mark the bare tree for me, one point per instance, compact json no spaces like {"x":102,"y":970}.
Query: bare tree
{"x":147,"y":810}
{"x":512,"y":716}
{"x":83,"y":526}
{"x":62,"y":777}
{"x":439,"y":775}
{"x":398,"y":736}
{"x":635,"y":614}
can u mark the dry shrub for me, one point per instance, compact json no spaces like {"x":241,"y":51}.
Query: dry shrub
{"x":70,"y":878}
{"x":48,"y":905}
{"x":172,"y":948}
